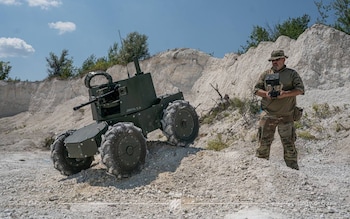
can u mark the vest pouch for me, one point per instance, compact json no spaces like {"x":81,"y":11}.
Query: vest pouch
{"x":298,"y":113}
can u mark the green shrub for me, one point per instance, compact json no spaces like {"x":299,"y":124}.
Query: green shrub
{"x":48,"y":141}
{"x":322,"y":110}
{"x":217,"y":144}
{"x":245,"y":107}
{"x":340,"y":127}
{"x":298,"y":124}
{"x":209,"y":117}
{"x":306,"y":135}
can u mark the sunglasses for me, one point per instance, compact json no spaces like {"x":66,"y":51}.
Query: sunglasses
{"x":276,"y":60}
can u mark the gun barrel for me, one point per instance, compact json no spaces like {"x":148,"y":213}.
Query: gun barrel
{"x":137,"y":66}
{"x":96,"y":98}
{"x":84,"y":104}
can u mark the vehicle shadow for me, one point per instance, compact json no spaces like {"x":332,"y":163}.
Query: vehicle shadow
{"x":161,"y":157}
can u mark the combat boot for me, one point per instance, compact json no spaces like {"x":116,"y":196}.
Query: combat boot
{"x":292,"y":164}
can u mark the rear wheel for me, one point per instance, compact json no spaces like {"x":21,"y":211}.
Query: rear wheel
{"x":180,"y":123}
{"x":123,"y":149}
{"x":59,"y":155}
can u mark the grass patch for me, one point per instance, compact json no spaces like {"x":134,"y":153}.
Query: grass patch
{"x":339,"y":127}
{"x":323,"y":110}
{"x":245,"y":107}
{"x":298,"y":125}
{"x":48,"y":141}
{"x":306,"y":135}
{"x":217,"y":144}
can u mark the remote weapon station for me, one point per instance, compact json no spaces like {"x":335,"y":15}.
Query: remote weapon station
{"x":125,"y":112}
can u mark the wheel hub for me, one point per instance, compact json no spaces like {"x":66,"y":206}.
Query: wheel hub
{"x":129,"y":150}
{"x":184,"y":124}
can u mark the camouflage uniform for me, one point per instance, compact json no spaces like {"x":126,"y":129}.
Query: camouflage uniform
{"x":279,"y":113}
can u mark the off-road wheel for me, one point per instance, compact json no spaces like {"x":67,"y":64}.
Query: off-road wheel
{"x":59,"y":155}
{"x":123,"y":149}
{"x":180,"y":123}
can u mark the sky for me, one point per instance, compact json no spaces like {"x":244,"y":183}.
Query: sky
{"x":31,"y":29}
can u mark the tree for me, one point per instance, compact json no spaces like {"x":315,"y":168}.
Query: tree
{"x":292,"y":28}
{"x":113,"y":54}
{"x":88,"y":64}
{"x":135,"y":45}
{"x":94,"y":64}
{"x":61,"y":67}
{"x":258,"y":35}
{"x":5,"y":69}
{"x":341,"y":9}
{"x":101,"y":64}
{"x":323,"y":11}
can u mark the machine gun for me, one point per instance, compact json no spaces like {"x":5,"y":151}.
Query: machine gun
{"x":113,"y":86}
{"x":95,"y":99}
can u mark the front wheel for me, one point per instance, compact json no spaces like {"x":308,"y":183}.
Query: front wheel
{"x":66,"y":165}
{"x":180,"y":123}
{"x":123,"y":149}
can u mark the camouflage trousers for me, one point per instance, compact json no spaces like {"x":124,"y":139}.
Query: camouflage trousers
{"x":286,"y":131}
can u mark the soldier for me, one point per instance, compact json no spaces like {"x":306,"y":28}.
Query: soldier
{"x":278,"y":88}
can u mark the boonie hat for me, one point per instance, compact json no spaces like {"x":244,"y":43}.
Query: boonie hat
{"x":277,"y":54}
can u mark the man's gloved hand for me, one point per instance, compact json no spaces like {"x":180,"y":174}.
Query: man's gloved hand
{"x":274,"y":94}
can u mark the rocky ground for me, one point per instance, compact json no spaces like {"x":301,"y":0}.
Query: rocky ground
{"x":191,"y":182}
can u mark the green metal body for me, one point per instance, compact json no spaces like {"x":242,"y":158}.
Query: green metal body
{"x":85,"y":141}
{"x":130,"y":100}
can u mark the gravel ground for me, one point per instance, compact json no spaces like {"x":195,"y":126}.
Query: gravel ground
{"x":181,"y":182}
{"x":191,"y":182}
